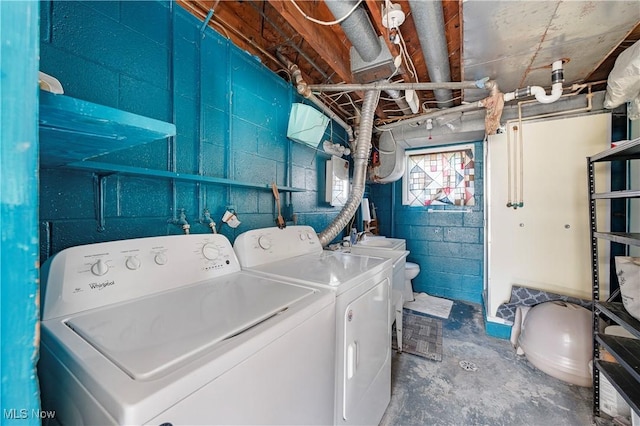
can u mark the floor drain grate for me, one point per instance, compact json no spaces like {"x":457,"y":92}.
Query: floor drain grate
{"x":468,"y":365}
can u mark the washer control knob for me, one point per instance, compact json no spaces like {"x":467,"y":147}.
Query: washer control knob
{"x":264,"y":242}
{"x":161,"y":259}
{"x":99,"y":268}
{"x":210,"y":251}
{"x":302,"y":237}
{"x":132,"y":263}
{"x":310,"y":235}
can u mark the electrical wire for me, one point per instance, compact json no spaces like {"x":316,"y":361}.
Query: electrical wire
{"x":437,"y":102}
{"x":392,"y":99}
{"x":406,"y":56}
{"x":394,"y":110}
{"x":351,"y":101}
{"x":337,"y":21}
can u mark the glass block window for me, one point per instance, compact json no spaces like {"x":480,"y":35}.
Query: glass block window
{"x":440,"y":176}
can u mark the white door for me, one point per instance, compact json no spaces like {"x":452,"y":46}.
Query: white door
{"x":367,"y":347}
{"x":544,"y":244}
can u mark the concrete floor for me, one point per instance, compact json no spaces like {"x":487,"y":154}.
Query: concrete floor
{"x":504,"y":390}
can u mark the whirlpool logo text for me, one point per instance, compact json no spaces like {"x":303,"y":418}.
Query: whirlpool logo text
{"x":102,"y":285}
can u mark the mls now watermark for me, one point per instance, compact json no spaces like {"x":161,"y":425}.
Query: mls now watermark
{"x":23,"y":414}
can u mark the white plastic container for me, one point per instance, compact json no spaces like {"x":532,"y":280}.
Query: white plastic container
{"x":556,"y":338}
{"x":610,"y":400}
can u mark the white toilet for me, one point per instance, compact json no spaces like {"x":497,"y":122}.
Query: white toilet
{"x":411,"y":270}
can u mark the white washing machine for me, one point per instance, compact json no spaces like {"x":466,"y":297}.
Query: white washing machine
{"x":361,"y":285}
{"x":169,"y":330}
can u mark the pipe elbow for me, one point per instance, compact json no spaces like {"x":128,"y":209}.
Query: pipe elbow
{"x":303,"y":89}
{"x":557,"y":77}
{"x":543,"y":98}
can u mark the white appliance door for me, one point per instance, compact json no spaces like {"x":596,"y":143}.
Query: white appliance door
{"x":151,"y":336}
{"x":329,"y":269}
{"x":367,"y":349}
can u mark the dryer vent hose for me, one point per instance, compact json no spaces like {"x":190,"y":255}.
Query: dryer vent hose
{"x":360,"y":161}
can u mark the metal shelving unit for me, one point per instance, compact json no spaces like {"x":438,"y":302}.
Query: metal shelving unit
{"x":624,"y":374}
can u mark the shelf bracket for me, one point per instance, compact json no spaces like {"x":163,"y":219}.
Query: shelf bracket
{"x":99,"y":185}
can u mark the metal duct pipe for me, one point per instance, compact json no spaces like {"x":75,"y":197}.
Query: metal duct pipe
{"x":364,"y":39}
{"x":429,"y":20}
{"x":400,"y":101}
{"x":473,"y":120}
{"x":360,"y":161}
{"x":383,"y":85}
{"x":357,"y":27}
{"x":438,"y":113}
{"x":470,"y":128}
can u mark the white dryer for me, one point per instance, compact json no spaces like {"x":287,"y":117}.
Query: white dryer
{"x":168,"y":330}
{"x":388,"y":247}
{"x":361,"y":285}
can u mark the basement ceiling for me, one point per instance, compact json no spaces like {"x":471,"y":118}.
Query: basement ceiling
{"x":511,"y":42}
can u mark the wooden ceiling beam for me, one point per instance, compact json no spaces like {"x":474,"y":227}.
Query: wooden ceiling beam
{"x":323,"y":39}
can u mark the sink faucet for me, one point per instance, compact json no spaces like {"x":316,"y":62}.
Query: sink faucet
{"x":209,"y":221}
{"x":362,"y":235}
{"x":182,"y":221}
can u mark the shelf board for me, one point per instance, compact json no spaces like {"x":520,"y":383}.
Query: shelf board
{"x":622,"y":382}
{"x":629,"y":193}
{"x":108,"y":168}
{"x":625,"y":350}
{"x":620,"y":237}
{"x":74,"y":130}
{"x":617,"y":312}
{"x":628,"y":150}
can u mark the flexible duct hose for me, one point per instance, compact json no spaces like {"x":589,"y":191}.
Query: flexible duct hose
{"x":360,"y":161}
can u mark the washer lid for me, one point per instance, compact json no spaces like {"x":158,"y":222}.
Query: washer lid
{"x":328,"y":269}
{"x":154,"y":335}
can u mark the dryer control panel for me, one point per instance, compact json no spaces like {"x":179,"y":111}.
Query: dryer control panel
{"x":94,"y":275}
{"x":259,"y":246}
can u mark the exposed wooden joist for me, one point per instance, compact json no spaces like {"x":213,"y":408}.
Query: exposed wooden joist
{"x":323,"y":39}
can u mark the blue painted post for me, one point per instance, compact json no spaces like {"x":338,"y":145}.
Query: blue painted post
{"x":19,"y":52}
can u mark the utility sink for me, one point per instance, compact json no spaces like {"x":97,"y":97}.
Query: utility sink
{"x":382,"y":243}
{"x":375,"y":243}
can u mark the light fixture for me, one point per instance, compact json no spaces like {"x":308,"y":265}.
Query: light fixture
{"x":392,"y":16}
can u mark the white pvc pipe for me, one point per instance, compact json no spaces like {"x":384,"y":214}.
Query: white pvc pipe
{"x":539,"y":92}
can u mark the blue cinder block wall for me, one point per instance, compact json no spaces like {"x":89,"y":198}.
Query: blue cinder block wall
{"x":230,"y":110}
{"x":449,"y":247}
{"x":19,"y":338}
